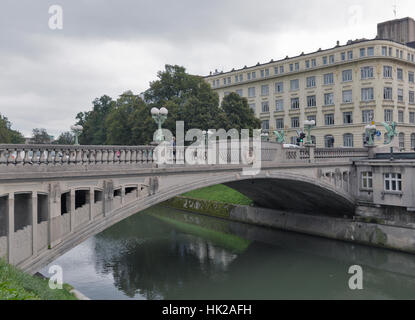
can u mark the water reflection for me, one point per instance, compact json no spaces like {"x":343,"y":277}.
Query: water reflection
{"x":168,"y":254}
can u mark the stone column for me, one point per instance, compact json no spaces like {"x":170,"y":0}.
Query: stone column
{"x":122,"y":195}
{"x":91,"y":203}
{"x":311,"y":148}
{"x":34,"y":223}
{"x":10,"y":236}
{"x":72,"y":209}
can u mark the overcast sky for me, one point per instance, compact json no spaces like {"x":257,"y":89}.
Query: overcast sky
{"x":107,"y":47}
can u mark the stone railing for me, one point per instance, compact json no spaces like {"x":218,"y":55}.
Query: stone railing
{"x":55,"y":155}
{"x":336,"y":153}
{"x":72,"y":155}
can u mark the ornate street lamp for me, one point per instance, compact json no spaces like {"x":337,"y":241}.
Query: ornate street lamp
{"x":308,"y":125}
{"x":160,"y":116}
{"x":77,"y":131}
{"x":370,"y":130}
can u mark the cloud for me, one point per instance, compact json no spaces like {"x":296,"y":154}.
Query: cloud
{"x":108,"y":47}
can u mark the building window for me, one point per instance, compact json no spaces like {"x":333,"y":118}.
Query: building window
{"x":251,"y":92}
{"x":400,"y":116}
{"x":348,"y":140}
{"x":384,"y":51}
{"x":347,"y":96}
{"x":348,"y":117}
{"x":411,"y":97}
{"x":279,"y":87}
{"x":413,"y":141}
{"x":343,"y":56}
{"x":329,"y":119}
{"x":295,"y":103}
{"x":367,"y":94}
{"x":279,"y":105}
{"x":291,"y":67}
{"x":294,"y":85}
{"x":281,"y":69}
{"x":312,"y":118}
{"x":253,"y":107}
{"x":371,"y":51}
{"x":400,"y":74}
{"x":279,"y":123}
{"x":390,"y":52}
{"x":265,"y":125}
{"x":324,"y":60}
{"x":411,"y":77}
{"x":350,"y":55}
{"x":412,"y":117}
{"x":400,"y":95}
{"x":311,"y":101}
{"x":366,"y":73}
{"x":275,"y":70}
{"x":388,"y":115}
{"x":265,"y":90}
{"x":367,"y":116}
{"x":307,"y":64}
{"x":362,"y":52}
{"x":262,"y":73}
{"x":392,"y":182}
{"x":387,"y":93}
{"x":347,"y":75}
{"x":401,"y":140}
{"x":328,"y":99}
{"x":295,"y":122}
{"x":387,"y":72}
{"x":311,"y":82}
{"x":265,"y":106}
{"x":297,"y":66}
{"x":367,"y":180}
{"x":241,"y":77}
{"x":329,"y":141}
{"x":331,"y":59}
{"x":239,"y":92}
{"x":313,"y":63}
{"x":328,"y":78}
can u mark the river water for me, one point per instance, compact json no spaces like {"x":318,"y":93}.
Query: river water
{"x":162,"y":253}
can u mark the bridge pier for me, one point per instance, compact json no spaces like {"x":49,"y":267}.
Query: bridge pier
{"x":10,"y":235}
{"x":34,"y":222}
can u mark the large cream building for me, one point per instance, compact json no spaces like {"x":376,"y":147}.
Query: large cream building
{"x":343,"y":89}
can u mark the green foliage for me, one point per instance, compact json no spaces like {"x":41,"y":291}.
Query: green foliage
{"x":220,"y":193}
{"x":65,"y":138}
{"x":93,"y":122}
{"x":238,"y":113}
{"x":40,"y":136}
{"x":17,"y":285}
{"x":128,"y":121}
{"x":7,"y":134}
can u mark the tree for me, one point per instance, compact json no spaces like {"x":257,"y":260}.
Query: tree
{"x":238,"y":113}
{"x":7,"y":134}
{"x":40,"y":136}
{"x":94,"y":130}
{"x":65,"y":138}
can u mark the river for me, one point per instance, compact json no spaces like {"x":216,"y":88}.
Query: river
{"x":162,"y":253}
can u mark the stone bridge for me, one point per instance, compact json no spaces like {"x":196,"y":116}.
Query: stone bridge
{"x":54,"y":197}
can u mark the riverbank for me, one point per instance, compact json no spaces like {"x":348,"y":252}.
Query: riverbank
{"x":17,"y":285}
{"x":345,"y":229}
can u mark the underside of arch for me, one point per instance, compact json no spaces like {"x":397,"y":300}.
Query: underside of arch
{"x":294,"y":196}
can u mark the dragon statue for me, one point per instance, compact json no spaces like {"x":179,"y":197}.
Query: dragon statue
{"x":390,"y":131}
{"x":280,"y":136}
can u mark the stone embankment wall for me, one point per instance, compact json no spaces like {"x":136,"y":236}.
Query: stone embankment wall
{"x":369,"y":233}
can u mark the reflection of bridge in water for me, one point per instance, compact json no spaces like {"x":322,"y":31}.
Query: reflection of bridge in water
{"x":54,"y":197}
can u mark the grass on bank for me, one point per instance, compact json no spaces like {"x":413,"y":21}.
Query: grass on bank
{"x":220,"y":193}
{"x":17,"y":285}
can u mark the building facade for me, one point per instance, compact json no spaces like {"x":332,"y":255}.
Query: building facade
{"x":399,"y":30}
{"x":343,"y":89}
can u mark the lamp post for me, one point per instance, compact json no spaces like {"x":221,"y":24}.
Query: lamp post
{"x":77,"y":131}
{"x":160,"y":116}
{"x":308,"y":125}
{"x":370,"y":132}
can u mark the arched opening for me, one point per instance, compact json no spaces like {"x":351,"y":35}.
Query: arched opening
{"x":42,"y":208}
{"x":81,"y":198}
{"x":22,"y":211}
{"x":65,"y":203}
